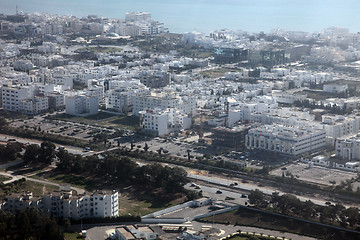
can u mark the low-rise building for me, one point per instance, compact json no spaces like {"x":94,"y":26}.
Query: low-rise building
{"x":335,"y":88}
{"x":291,"y":140}
{"x":135,"y":232}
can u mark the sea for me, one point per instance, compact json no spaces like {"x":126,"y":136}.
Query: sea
{"x":204,"y":16}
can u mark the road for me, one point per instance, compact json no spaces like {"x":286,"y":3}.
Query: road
{"x":224,"y":184}
{"x":248,"y":187}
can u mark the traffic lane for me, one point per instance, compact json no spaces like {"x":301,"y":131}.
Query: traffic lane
{"x":212,"y":192}
{"x":250,"y":187}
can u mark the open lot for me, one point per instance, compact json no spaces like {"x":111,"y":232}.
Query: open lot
{"x":316,"y":174}
{"x":103,"y":119}
{"x":36,"y":188}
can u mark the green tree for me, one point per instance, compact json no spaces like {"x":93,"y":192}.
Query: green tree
{"x":47,"y":152}
{"x":31,"y":153}
{"x":257,"y":198}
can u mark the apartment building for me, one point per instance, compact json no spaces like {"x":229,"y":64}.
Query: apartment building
{"x":162,"y":122}
{"x":63,"y":204}
{"x":12,"y":95}
{"x":81,"y":105}
{"x":185,"y":104}
{"x":56,"y":100}
{"x":285,"y":139}
{"x":348,"y":148}
{"x":337,"y":126}
{"x":38,"y":104}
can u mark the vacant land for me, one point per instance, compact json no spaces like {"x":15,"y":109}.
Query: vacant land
{"x":74,"y":180}
{"x":99,"y":49}
{"x":36,"y":188}
{"x":218,"y":72}
{"x":319,"y":175}
{"x":104,"y":119}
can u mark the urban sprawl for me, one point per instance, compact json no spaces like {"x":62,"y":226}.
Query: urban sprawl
{"x":100,"y":115}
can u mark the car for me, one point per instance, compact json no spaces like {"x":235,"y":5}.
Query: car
{"x":328,"y":203}
{"x":231,"y":185}
{"x":218,"y":192}
{"x":197,"y":187}
{"x":243,"y":196}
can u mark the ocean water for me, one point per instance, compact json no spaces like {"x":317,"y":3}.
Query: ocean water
{"x":207,"y":15}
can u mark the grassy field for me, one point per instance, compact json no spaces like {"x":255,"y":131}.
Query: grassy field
{"x":99,"y":49}
{"x":219,"y":72}
{"x":4,"y":178}
{"x":104,"y":119}
{"x":130,"y":204}
{"x":73,"y":180}
{"x":36,"y":188}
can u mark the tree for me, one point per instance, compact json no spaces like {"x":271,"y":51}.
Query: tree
{"x":257,"y":198}
{"x":12,"y":150}
{"x":177,"y":180}
{"x":3,"y":123}
{"x":160,"y":150}
{"x":47,"y":152}
{"x":146,"y":147}
{"x":31,"y":153}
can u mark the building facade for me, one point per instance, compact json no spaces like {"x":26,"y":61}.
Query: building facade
{"x":285,"y":139}
{"x":64,"y":204}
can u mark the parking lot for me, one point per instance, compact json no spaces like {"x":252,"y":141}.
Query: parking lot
{"x":314,"y":174}
{"x":62,"y":128}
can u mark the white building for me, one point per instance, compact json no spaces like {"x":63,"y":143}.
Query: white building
{"x":162,"y":122}
{"x":64,"y":204}
{"x":81,"y":105}
{"x":335,"y":88}
{"x":38,"y":104}
{"x":337,"y":126}
{"x":185,"y":104}
{"x":11,"y":97}
{"x":56,"y":100}
{"x":292,"y":140}
{"x":348,"y":147}
{"x":137,"y":16}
